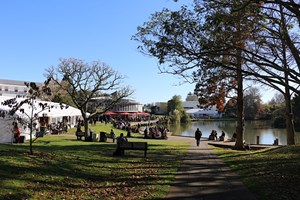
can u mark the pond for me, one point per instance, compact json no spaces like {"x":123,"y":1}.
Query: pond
{"x":254,"y":130}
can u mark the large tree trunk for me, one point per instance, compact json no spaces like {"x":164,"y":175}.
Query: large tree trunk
{"x":290,"y":131}
{"x":239,"y":42}
{"x":239,"y":145}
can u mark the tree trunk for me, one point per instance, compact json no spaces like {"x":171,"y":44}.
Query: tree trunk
{"x":239,"y":43}
{"x":30,"y":141}
{"x":31,"y":129}
{"x":86,"y":128}
{"x":239,"y":144}
{"x":290,"y":131}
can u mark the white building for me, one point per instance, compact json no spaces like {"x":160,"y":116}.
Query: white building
{"x":128,"y":105}
{"x":195,"y":111}
{"x":190,"y":105}
{"x":124,"y":105}
{"x":204,"y":113}
{"x":12,"y":88}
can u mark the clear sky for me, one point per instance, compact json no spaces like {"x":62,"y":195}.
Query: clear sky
{"x":35,"y":34}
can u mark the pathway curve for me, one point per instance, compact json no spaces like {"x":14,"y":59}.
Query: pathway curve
{"x":204,"y":176}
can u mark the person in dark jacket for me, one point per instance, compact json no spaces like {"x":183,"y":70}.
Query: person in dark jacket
{"x":198,"y":135}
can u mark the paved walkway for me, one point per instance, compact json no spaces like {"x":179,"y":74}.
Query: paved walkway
{"x":204,"y":176}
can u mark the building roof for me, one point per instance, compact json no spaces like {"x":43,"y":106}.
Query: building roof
{"x":14,"y":82}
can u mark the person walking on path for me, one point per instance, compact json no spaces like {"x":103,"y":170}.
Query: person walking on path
{"x":198,"y":135}
{"x":203,"y":175}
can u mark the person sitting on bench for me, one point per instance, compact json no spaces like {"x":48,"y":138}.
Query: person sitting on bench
{"x":121,"y":138}
{"x":118,"y":151}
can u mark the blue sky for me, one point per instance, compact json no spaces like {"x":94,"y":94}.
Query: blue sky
{"x":35,"y":34}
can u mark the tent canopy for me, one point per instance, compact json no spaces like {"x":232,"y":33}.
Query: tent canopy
{"x":55,"y":111}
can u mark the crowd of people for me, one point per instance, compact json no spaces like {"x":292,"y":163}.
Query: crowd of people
{"x":214,"y":136}
{"x":156,"y":132}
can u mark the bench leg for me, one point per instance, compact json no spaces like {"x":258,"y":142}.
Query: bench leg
{"x":145,"y":153}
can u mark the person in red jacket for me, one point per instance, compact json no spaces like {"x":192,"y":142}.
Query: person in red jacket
{"x":16,"y":132}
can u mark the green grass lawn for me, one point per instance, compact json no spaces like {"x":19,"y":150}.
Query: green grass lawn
{"x":269,"y":174}
{"x":64,"y":168}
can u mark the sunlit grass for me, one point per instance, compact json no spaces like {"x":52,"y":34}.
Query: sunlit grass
{"x":64,"y":168}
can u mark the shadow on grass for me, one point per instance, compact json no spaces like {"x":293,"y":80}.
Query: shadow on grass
{"x":67,"y":167}
{"x":268,"y":172}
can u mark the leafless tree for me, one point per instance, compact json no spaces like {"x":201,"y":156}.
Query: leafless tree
{"x":89,"y":82}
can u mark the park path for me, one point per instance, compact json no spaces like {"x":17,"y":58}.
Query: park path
{"x":204,"y":176}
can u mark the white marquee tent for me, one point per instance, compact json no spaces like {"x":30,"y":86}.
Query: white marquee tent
{"x":203,"y":113}
{"x":55,"y":115}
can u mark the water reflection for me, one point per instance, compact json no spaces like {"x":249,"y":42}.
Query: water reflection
{"x":260,"y":131}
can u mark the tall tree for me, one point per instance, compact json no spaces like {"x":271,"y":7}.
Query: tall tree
{"x":202,"y":45}
{"x":275,"y":57}
{"x":84,"y":82}
{"x":272,"y":52}
{"x":226,"y":39}
{"x":176,"y":110}
{"x":175,"y":104}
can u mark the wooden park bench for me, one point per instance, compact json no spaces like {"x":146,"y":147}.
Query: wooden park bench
{"x":80,"y":135}
{"x":133,"y":146}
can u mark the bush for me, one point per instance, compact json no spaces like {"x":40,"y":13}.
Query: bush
{"x":279,"y":122}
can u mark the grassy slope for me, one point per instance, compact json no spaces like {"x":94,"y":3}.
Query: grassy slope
{"x":64,"y":168}
{"x":270,"y":174}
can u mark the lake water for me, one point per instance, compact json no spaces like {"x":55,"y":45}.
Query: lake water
{"x":262,"y":129}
